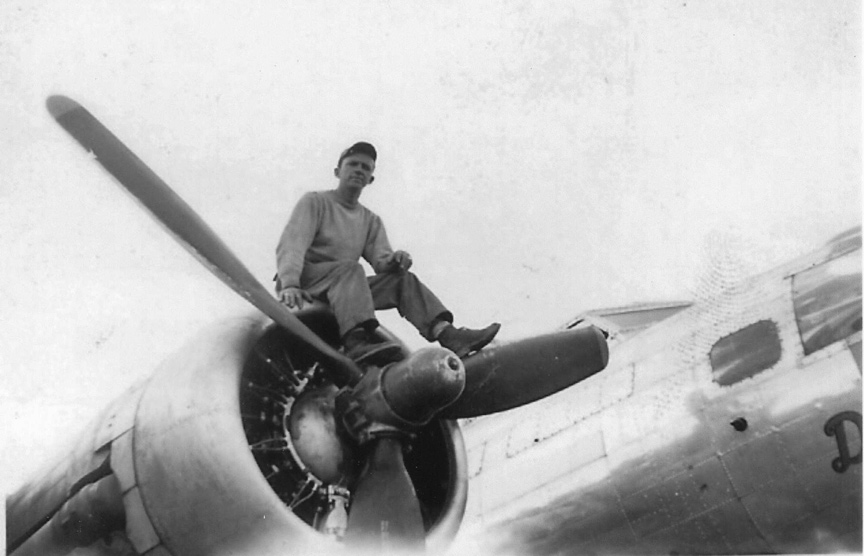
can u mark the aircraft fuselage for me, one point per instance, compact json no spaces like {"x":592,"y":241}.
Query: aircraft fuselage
{"x":731,"y":427}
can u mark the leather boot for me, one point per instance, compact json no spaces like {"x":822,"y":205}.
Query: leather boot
{"x":464,"y":341}
{"x":363,"y":347}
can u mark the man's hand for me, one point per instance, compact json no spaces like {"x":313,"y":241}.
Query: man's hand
{"x":294,"y":297}
{"x":401,"y":261}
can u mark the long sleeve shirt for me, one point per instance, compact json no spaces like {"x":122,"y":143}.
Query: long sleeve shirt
{"x":323,"y":229}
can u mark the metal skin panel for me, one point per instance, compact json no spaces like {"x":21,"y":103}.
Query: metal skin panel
{"x":121,"y":461}
{"x":139,"y":529}
{"x":36,"y":499}
{"x":118,"y":418}
{"x":754,"y":465}
{"x":198,"y":481}
{"x":688,"y":465}
{"x":89,"y":517}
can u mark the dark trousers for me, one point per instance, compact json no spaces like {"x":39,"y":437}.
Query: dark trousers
{"x":354,"y":297}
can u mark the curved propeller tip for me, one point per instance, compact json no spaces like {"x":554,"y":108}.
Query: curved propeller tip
{"x":58,"y":105}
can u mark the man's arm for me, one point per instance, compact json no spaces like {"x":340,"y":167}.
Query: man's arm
{"x":380,"y":255}
{"x":291,"y":250}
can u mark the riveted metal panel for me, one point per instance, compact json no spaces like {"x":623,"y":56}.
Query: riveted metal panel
{"x":681,"y":497}
{"x":756,"y":463}
{"x":523,"y":436}
{"x":584,"y":399}
{"x":773,"y":507}
{"x":645,"y":512}
{"x":675,"y":446}
{"x":712,"y":482}
{"x":731,"y":524}
{"x":616,"y":386}
{"x":673,"y":501}
{"x":696,"y":536}
{"x":804,"y":442}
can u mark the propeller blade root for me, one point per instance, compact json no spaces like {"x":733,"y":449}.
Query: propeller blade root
{"x":385,"y":514}
{"x":524,"y":371}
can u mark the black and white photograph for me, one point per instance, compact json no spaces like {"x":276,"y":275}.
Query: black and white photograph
{"x":478,"y":278}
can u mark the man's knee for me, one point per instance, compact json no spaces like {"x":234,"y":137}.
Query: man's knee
{"x":409,"y":282}
{"x":395,"y":278}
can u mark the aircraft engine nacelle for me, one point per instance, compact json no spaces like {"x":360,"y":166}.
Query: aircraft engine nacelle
{"x":200,"y":460}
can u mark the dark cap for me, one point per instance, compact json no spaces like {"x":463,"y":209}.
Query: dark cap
{"x":359,"y":148}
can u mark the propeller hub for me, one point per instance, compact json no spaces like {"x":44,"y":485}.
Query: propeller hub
{"x":424,"y":384}
{"x":402,"y":396}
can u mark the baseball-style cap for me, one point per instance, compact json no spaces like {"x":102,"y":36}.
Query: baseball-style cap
{"x":359,"y":148}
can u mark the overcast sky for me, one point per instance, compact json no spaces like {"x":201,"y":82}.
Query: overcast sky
{"x":537,"y":160}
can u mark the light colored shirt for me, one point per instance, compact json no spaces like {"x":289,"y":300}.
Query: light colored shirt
{"x":323,"y":229}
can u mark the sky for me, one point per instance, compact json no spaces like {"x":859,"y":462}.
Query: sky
{"x":536,"y":159}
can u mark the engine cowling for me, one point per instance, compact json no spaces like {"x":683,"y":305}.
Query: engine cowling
{"x":205,"y":463}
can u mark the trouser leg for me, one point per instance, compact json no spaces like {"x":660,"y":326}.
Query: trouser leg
{"x":344,"y":287}
{"x":414,"y":301}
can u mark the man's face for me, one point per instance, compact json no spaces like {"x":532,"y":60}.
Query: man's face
{"x":355,"y":171}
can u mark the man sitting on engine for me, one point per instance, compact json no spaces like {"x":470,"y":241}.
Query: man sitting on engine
{"x":318,"y":257}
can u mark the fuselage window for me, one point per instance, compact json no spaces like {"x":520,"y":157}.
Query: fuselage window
{"x":745,"y":353}
{"x":827,"y":301}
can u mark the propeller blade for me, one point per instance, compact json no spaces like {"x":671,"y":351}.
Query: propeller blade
{"x":188,"y":228}
{"x":385,"y":513}
{"x":521,"y":372}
